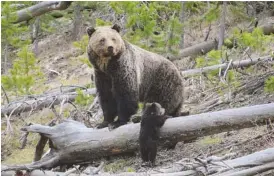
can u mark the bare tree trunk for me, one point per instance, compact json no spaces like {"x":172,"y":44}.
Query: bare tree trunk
{"x":77,"y":22}
{"x":73,"y":143}
{"x":182,"y":20}
{"x":222,"y":27}
{"x":6,"y":50}
{"x":40,"y":9}
{"x":209,"y":27}
{"x":35,"y":33}
{"x":221,"y":37}
{"x":170,"y":35}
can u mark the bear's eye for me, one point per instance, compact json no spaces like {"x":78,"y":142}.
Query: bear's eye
{"x":102,"y":40}
{"x":113,"y":39}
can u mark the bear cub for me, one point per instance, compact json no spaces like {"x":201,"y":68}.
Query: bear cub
{"x":153,"y":119}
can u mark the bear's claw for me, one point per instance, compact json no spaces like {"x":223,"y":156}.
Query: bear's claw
{"x":102,"y":125}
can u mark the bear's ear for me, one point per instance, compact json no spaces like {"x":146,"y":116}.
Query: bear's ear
{"x":90,"y":31}
{"x":116,"y":27}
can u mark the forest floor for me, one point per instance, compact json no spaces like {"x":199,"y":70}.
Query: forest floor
{"x":60,"y":61}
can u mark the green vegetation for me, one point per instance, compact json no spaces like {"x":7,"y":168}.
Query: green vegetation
{"x":155,"y":26}
{"x":119,"y":165}
{"x":83,"y":99}
{"x":269,"y":84}
{"x":210,"y":140}
{"x":256,"y":40}
{"x":82,"y":45}
{"x":24,"y":73}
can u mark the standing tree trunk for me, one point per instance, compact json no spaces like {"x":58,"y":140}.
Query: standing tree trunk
{"x":6,"y":58}
{"x":77,"y":22}
{"x":182,"y":20}
{"x":222,"y":35}
{"x":35,"y":33}
{"x":222,"y":27}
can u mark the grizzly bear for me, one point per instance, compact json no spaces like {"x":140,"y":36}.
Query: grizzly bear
{"x":126,"y":74}
{"x":153,"y":119}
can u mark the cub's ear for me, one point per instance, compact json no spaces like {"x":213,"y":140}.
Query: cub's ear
{"x":90,"y":31}
{"x":116,"y":27}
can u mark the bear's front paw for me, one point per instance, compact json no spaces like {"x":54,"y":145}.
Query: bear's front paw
{"x":102,"y":125}
{"x":147,"y":164}
{"x":115,"y":124}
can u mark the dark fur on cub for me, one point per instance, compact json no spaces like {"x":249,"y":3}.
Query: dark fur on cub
{"x":126,"y":74}
{"x":153,"y":119}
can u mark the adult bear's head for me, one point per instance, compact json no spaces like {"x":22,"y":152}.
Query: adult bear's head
{"x":105,"y":41}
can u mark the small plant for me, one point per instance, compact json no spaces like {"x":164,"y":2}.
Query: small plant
{"x":210,"y":140}
{"x":24,"y":73}
{"x":82,"y":45}
{"x":82,"y":99}
{"x":212,"y":58}
{"x":100,"y":22}
{"x":256,"y":40}
{"x":269,"y":84}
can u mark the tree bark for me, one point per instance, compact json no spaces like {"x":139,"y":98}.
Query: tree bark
{"x":73,"y":143}
{"x":234,"y":64}
{"x":205,"y":47}
{"x":40,"y":9}
{"x":182,"y":20}
{"x":77,"y":22}
{"x":40,"y":102}
{"x":222,"y":27}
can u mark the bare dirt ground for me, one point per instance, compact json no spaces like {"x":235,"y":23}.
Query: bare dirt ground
{"x":60,"y":61}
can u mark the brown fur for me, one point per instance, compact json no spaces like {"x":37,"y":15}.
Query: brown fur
{"x":128,"y":74}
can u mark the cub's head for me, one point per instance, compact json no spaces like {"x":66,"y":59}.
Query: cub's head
{"x":105,"y":41}
{"x":153,"y":109}
{"x":153,"y":116}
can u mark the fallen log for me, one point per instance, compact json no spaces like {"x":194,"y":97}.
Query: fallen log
{"x":73,"y":143}
{"x":41,"y":102}
{"x":40,"y":9}
{"x":205,"y":47}
{"x":234,"y":64}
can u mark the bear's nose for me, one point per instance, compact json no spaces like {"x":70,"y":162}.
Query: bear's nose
{"x":110,"y":49}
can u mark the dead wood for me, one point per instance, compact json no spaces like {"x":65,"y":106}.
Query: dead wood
{"x":252,"y":164}
{"x":234,"y":64}
{"x":219,"y":166}
{"x":49,"y":100}
{"x":41,"y":102}
{"x":205,"y":47}
{"x":40,"y":9}
{"x":74,"y":143}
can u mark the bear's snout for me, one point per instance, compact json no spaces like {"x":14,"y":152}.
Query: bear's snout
{"x":110,"y":49}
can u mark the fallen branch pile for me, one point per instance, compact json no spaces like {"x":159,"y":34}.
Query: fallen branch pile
{"x":41,"y":102}
{"x":73,"y":143}
{"x":252,"y":164}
